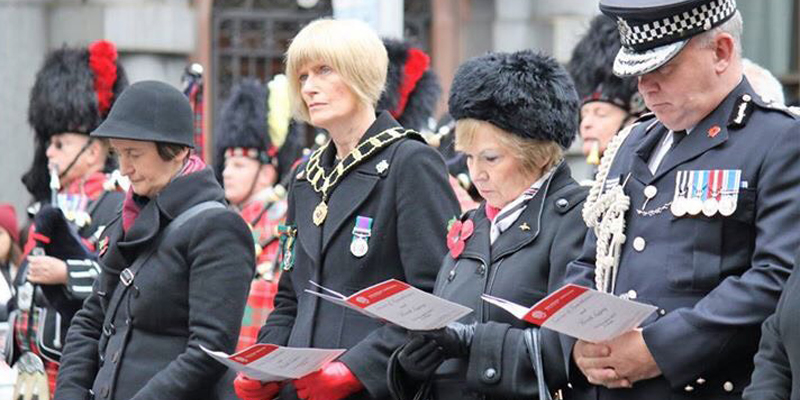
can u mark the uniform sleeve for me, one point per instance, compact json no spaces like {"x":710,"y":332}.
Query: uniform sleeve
{"x":424,"y":204}
{"x":81,"y":275}
{"x":79,"y":360}
{"x":278,"y":327}
{"x":221,"y":260}
{"x":712,"y":329}
{"x":772,"y":378}
{"x":499,"y":363}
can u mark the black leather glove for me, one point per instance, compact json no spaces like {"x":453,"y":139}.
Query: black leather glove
{"x":65,"y":244}
{"x":420,"y":357}
{"x":455,"y":339}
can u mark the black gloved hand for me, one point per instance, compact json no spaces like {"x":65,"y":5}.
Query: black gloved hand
{"x":455,"y":339}
{"x":420,"y":357}
{"x":65,"y":244}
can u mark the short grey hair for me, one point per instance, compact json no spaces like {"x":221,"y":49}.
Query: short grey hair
{"x":734,"y":27}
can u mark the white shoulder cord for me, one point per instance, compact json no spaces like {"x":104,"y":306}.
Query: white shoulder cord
{"x":605,"y":213}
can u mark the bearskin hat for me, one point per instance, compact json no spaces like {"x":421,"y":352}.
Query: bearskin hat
{"x":525,"y":93}
{"x":591,"y":68}
{"x":245,"y":124}
{"x":73,"y":92}
{"x":412,"y":88}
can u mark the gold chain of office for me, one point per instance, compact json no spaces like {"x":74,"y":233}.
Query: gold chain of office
{"x":322,"y":183}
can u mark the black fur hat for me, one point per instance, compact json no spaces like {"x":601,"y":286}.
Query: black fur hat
{"x":409,"y":66}
{"x":243,"y":123}
{"x":591,"y":68}
{"x":66,"y":97}
{"x":525,"y":93}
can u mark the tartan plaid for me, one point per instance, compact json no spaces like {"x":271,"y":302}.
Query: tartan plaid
{"x":25,"y":339}
{"x":260,"y":303}
{"x":262,"y":291}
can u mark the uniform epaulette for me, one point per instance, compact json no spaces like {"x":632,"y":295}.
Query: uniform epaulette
{"x":769,"y":104}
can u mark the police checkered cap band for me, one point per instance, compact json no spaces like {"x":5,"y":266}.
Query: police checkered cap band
{"x":641,"y":35}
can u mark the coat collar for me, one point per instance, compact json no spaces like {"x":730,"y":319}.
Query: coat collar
{"x":346,"y":197}
{"x":696,"y":143}
{"x":525,"y":229}
{"x":178,"y":196}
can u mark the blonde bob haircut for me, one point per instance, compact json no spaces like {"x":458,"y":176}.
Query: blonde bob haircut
{"x":534,"y":154}
{"x":350,"y":47}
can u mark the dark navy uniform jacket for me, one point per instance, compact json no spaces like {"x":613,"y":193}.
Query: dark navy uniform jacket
{"x":777,"y":372}
{"x":714,"y":280}
{"x":410,"y":201}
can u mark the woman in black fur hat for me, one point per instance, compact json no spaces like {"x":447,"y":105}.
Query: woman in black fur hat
{"x":515,"y":115}
{"x":608,"y":102}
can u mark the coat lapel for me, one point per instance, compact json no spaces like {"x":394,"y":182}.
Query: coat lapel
{"x":346,"y":198}
{"x":526,"y":228}
{"x":306,"y":199}
{"x":644,"y":151}
{"x":700,"y":140}
{"x":477,"y":246}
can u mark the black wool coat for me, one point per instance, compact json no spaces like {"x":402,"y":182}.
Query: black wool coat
{"x":526,"y":262}
{"x":190,"y":292}
{"x":777,"y":363}
{"x":410,"y":202}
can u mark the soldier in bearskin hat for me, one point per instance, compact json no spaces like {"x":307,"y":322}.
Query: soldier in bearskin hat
{"x":608,"y":102}
{"x":255,"y":151}
{"x":72,"y":95}
{"x":515,"y":113}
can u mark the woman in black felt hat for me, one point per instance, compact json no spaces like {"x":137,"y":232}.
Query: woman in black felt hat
{"x":515,"y":115}
{"x":176,"y":265}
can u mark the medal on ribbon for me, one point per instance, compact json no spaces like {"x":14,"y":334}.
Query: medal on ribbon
{"x":288,"y":235}
{"x":730,"y":191}
{"x":695,"y":203}
{"x":362,"y":230}
{"x":711,"y":201}
{"x":678,"y":206}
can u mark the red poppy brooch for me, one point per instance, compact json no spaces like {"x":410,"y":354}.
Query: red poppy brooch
{"x":457,"y":236}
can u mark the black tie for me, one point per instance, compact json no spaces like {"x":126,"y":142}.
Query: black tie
{"x":677,"y":136}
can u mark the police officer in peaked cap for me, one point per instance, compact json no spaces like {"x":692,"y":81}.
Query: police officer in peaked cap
{"x":693,"y":211}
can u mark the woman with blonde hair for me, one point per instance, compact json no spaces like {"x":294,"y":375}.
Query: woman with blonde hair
{"x":515,"y":114}
{"x":370,"y":205}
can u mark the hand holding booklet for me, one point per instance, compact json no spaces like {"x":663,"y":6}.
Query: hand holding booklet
{"x":399,"y":303}
{"x":580,"y":312}
{"x":272,"y":363}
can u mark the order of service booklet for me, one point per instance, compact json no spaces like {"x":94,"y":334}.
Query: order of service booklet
{"x":580,"y":312}
{"x":399,"y":303}
{"x":272,"y":363}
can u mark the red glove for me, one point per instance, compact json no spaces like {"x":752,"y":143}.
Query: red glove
{"x":333,"y":382}
{"x":251,"y":389}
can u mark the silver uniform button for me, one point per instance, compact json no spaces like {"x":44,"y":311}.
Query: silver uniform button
{"x":700,"y":381}
{"x":689,"y":388}
{"x":728,"y":386}
{"x":632,"y":294}
{"x":650,"y":191}
{"x":639,"y":243}
{"x":747,"y":97}
{"x":490,"y":373}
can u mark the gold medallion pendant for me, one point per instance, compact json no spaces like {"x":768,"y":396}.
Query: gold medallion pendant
{"x":320,"y":212}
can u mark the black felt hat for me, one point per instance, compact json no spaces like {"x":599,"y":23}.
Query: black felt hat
{"x":150,"y":111}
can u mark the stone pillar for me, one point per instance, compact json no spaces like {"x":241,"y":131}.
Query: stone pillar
{"x":23,"y":43}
